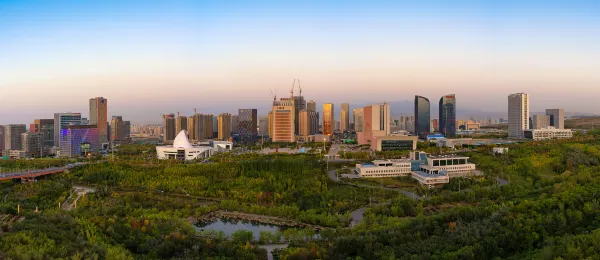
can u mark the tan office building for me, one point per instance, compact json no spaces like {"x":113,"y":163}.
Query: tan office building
{"x":345,"y":118}
{"x":99,"y":117}
{"x":283,"y":120}
{"x":180,"y":124}
{"x":169,"y":128}
{"x":224,"y":126}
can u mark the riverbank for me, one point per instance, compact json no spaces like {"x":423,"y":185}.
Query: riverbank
{"x":263,"y":219}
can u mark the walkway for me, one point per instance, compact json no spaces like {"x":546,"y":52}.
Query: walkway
{"x":37,"y":173}
{"x":79,"y":192}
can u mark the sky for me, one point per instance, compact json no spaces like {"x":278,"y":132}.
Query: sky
{"x":154,"y":57}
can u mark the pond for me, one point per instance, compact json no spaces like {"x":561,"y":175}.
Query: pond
{"x":230,"y":226}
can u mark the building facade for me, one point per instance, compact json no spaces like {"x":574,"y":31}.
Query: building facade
{"x":384,"y":169}
{"x":540,"y":121}
{"x":311,"y":106}
{"x":247,"y":122}
{"x":447,"y":119}
{"x":328,"y":121}
{"x":518,"y":115}
{"x":283,"y":121}
{"x":235,"y":124}
{"x":304,"y":122}
{"x":13,"y":136}
{"x":299,"y":104}
{"x":358,"y":117}
{"x":270,"y":124}
{"x":394,"y":143}
{"x":99,"y":116}
{"x":557,"y":117}
{"x":46,"y":128}
{"x":547,"y":133}
{"x":263,"y":126}
{"x":117,"y":129}
{"x":202,"y":128}
{"x":168,"y":128}
{"x":180,"y":123}
{"x":61,"y":120}
{"x":345,"y":118}
{"x":422,"y":116}
{"x":32,"y":144}
{"x":224,"y":126}
{"x":376,"y":122}
{"x":79,"y":140}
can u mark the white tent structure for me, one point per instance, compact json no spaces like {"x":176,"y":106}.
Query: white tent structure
{"x":182,"y":149}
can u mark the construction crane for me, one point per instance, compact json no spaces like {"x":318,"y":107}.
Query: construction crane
{"x":299,"y":87}
{"x":292,"y":90}
{"x":274,"y":94}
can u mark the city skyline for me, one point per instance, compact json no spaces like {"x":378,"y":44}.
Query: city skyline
{"x":181,"y":54}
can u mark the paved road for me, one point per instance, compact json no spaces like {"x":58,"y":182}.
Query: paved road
{"x":38,"y":172}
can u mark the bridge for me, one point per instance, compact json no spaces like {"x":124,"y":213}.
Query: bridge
{"x":30,"y":175}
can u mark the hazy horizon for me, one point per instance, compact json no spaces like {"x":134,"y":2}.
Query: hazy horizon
{"x":154,"y":57}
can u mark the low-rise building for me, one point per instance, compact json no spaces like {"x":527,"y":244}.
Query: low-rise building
{"x":547,"y":133}
{"x":394,"y":143}
{"x":427,"y":170}
{"x":384,"y":168}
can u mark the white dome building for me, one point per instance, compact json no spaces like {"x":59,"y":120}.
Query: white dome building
{"x":182,"y":149}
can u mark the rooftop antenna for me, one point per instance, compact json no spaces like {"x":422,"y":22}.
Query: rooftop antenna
{"x":177,"y":113}
{"x":274,"y":94}
{"x":194,"y":111}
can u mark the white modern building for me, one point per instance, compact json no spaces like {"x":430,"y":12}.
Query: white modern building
{"x":518,"y":115}
{"x":182,"y":149}
{"x":548,"y":133}
{"x":427,"y":170}
{"x":384,"y":168}
{"x":453,"y":165}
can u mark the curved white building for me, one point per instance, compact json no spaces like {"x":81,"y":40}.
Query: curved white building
{"x":182,"y":149}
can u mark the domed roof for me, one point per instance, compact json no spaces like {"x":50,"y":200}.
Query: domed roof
{"x":181,"y":140}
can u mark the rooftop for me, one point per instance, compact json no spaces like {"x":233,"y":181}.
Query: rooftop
{"x":447,"y":156}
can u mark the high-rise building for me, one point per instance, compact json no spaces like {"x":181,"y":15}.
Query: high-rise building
{"x":224,"y":126}
{"x":263,"y":126}
{"x":1,"y":138}
{"x":345,"y":118}
{"x":422,"y":116}
{"x":328,"y":121}
{"x":99,"y":117}
{"x":127,"y":130}
{"x":79,"y":140}
{"x":235,"y":124}
{"x":313,"y":118}
{"x":247,"y":122}
{"x":309,"y":123}
{"x":434,"y":125}
{"x":447,"y":120}
{"x":203,"y":127}
{"x":311,"y":106}
{"x":191,"y":127}
{"x":31,"y":144}
{"x":557,"y":117}
{"x":215,"y":127}
{"x":283,"y":120}
{"x":12,"y":136}
{"x":117,"y":129}
{"x":180,"y":123}
{"x":270,"y":124}
{"x":518,"y":114}
{"x":169,"y":128}
{"x":46,"y":128}
{"x":299,"y":104}
{"x":61,"y":120}
{"x":358,"y":117}
{"x":376,"y":123}
{"x":539,"y":121}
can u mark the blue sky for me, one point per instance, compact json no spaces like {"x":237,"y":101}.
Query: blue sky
{"x":153,"y":57}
